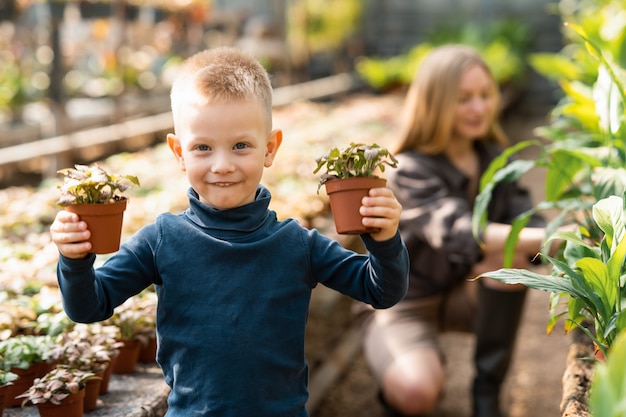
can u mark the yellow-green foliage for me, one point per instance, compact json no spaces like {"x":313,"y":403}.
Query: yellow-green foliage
{"x":502,"y":45}
{"x":322,"y":25}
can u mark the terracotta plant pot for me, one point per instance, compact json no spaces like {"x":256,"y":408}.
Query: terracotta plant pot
{"x":20,"y":385}
{"x":3,"y":391}
{"x":104,"y":222}
{"x":148,"y":352}
{"x":128,"y":357}
{"x":345,"y":197}
{"x":72,"y":406}
{"x":106,"y":375}
{"x":92,"y":391}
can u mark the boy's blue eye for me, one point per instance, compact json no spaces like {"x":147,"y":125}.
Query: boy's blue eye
{"x":241,"y":145}
{"x":202,"y":147}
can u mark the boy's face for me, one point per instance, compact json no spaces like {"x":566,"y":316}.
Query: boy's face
{"x":223,"y":148}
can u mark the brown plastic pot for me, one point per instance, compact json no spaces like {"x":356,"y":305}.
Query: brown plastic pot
{"x":20,"y":385}
{"x":104,"y":222}
{"x":128,"y":357}
{"x":71,"y":406}
{"x":92,"y":392}
{"x":345,"y":197}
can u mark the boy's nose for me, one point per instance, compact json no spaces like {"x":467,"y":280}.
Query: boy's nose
{"x":221,"y":163}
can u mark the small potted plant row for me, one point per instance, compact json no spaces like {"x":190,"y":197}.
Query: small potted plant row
{"x":91,"y":348}
{"x":96,"y":196}
{"x":27,"y":356}
{"x":59,"y":393}
{"x":349,"y":173}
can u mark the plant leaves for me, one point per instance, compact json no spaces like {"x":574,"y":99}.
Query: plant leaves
{"x":533,"y":280}
{"x":607,"y":397}
{"x":511,"y":172}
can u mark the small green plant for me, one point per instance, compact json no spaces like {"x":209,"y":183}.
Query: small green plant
{"x":92,"y":184}
{"x":355,"y":160}
{"x":24,"y":350}
{"x":56,"y":385}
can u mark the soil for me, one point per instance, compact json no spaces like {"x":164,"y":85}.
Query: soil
{"x":533,"y":387}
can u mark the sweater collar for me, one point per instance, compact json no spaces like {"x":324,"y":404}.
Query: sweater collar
{"x":245,"y":219}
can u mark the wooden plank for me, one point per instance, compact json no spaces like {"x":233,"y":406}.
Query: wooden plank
{"x":58,"y":145}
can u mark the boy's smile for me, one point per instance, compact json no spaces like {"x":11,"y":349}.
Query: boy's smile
{"x":223,"y":147}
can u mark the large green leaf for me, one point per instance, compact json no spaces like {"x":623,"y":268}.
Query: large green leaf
{"x":533,"y":280}
{"x":508,"y":173}
{"x":509,"y":246}
{"x":609,"y":181}
{"x":615,"y":71}
{"x":554,"y":66}
{"x":608,"y":214}
{"x":596,"y":275}
{"x":607,"y":397}
{"x":502,"y":160}
{"x":565,"y":164}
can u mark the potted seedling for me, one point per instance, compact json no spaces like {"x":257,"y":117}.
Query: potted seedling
{"x":349,"y":174}
{"x":137,"y":325}
{"x":91,"y":348}
{"x":27,"y":356}
{"x":60,"y":392}
{"x":96,"y":196}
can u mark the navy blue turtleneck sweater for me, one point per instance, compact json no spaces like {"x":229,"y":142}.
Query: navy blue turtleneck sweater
{"x":234,"y":289}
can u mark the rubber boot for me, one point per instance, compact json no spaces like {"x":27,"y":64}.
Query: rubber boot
{"x":497,"y":321}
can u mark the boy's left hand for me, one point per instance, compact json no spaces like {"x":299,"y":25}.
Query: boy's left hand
{"x":381,"y":210}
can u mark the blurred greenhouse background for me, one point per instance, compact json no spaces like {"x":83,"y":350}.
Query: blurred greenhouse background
{"x":71,"y":65}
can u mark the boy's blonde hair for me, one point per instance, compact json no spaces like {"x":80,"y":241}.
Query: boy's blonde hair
{"x":433,"y":96}
{"x":221,"y":74}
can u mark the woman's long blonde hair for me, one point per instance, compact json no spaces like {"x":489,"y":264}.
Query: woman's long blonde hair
{"x":428,"y":115}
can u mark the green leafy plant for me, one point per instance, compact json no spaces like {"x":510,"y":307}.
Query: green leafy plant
{"x":608,"y":387}
{"x":56,"y":385}
{"x":6,"y":377}
{"x":92,"y":185}
{"x":592,"y":274}
{"x":354,"y":160}
{"x":24,"y":350}
{"x":583,"y":153}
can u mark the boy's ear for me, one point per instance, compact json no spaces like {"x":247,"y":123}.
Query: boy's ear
{"x":177,"y":150}
{"x":273,"y":143}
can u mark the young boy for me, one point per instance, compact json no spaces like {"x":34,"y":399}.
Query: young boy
{"x":233,"y":282}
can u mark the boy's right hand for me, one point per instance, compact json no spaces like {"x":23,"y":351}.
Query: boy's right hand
{"x":71,"y":235}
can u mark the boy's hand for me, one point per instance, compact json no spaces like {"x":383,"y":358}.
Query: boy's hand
{"x":70,"y":235}
{"x":381,"y":210}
